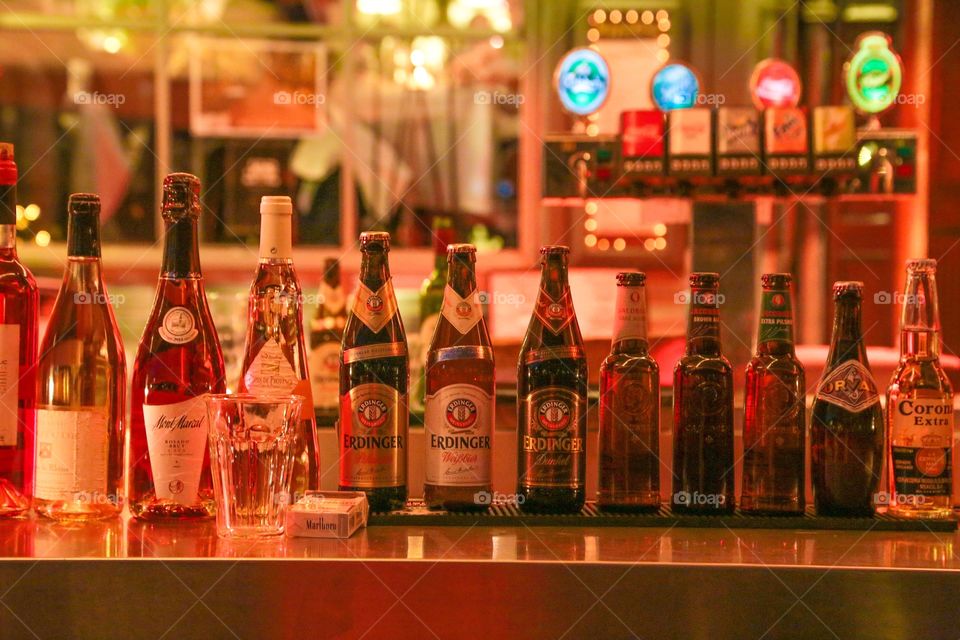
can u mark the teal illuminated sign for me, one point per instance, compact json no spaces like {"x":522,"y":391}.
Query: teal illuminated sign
{"x":582,"y":81}
{"x":874,"y":73}
{"x":674,"y":86}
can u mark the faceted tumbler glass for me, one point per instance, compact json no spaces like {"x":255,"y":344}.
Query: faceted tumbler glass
{"x":252,"y":447}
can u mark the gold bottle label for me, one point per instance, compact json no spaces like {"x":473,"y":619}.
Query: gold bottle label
{"x":373,"y":434}
{"x":463,"y":313}
{"x":375,"y":308}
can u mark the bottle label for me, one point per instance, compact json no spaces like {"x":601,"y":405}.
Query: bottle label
{"x":178,"y":326}
{"x":9,"y":383}
{"x":704,"y":314}
{"x":270,"y":371}
{"x":462,"y":313}
{"x":849,"y":386}
{"x":554,"y":314}
{"x":72,"y":454}
{"x":553,"y":353}
{"x":333,"y":299}
{"x":325,"y":374}
{"x":776,"y":317}
{"x":552,"y":444}
{"x":458,"y":422}
{"x":630,"y":318}
{"x":375,"y":309}
{"x":375,"y":352}
{"x":373,"y":433}
{"x":921,"y":439}
{"x":177,"y":441}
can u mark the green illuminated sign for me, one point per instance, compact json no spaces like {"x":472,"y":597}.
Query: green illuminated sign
{"x":582,"y":80}
{"x":874,"y":73}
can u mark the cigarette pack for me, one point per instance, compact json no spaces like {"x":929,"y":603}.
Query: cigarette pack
{"x":327,"y":514}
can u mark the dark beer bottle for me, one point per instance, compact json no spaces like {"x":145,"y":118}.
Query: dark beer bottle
{"x":374,"y":374}
{"x":459,"y":414}
{"x":629,"y":407}
{"x":846,"y":428}
{"x":326,"y":334}
{"x":552,"y":397}
{"x":774,"y":412}
{"x":703,"y":475}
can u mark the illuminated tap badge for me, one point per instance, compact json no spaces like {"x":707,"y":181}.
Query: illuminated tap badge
{"x":874,"y":73}
{"x":674,"y":86}
{"x":642,"y":141}
{"x":775,"y":83}
{"x":738,"y":141}
{"x":582,"y":80}
{"x":785,"y":141}
{"x":690,"y":137}
{"x":834,"y":138}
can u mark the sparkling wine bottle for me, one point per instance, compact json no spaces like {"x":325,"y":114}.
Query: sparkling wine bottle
{"x":275,"y":352}
{"x":326,"y":333}
{"x":81,"y":381}
{"x":178,"y":363}
{"x":19,"y":301}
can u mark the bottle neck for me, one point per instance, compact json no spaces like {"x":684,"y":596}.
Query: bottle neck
{"x":276,"y":232}
{"x":920,"y":320}
{"x":775,"y":333}
{"x":374,"y":269}
{"x":703,"y":324}
{"x":553,"y":277}
{"x":181,"y":253}
{"x":847,"y":340}
{"x":461,"y":276}
{"x":630,"y":320}
{"x":83,"y":236}
{"x":8,"y":220}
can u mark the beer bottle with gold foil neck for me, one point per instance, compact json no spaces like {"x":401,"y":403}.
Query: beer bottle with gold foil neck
{"x":703,"y":465}
{"x":846,"y":426}
{"x":374,"y":378}
{"x":774,"y":411}
{"x":460,"y":394}
{"x":920,"y":406}
{"x":552,"y":397}
{"x":629,"y":407}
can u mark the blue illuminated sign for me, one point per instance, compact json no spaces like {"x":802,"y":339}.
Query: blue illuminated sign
{"x":674,"y":86}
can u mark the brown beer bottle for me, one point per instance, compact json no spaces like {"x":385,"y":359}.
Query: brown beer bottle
{"x":458,"y":419}
{"x":552,"y":397}
{"x":374,"y":376}
{"x":629,"y":407}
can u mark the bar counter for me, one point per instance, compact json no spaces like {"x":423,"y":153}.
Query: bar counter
{"x":128,"y":579}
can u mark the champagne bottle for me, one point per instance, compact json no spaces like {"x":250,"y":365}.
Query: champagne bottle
{"x":81,"y":381}
{"x":178,"y":363}
{"x":275,"y":352}
{"x":326,"y":333}
{"x":19,"y":303}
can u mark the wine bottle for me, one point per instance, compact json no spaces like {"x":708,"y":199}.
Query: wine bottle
{"x":326,"y":333}
{"x":178,"y":363}
{"x":19,"y":302}
{"x":275,"y":351}
{"x":81,"y":382}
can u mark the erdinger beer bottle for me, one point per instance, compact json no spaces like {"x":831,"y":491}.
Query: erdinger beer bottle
{"x":374,"y":374}
{"x":920,"y":406}
{"x":552,"y":397}
{"x":846,"y":429}
{"x":629,"y":407}
{"x":774,"y":412}
{"x":460,"y":393}
{"x":703,"y":475}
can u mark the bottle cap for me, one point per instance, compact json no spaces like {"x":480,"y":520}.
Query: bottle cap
{"x":375,"y":239}
{"x":276,"y":205}
{"x":847,"y":289}
{"x":704,"y":280}
{"x":631,"y":278}
{"x":461,"y":247}
{"x":181,"y":196}
{"x":554,"y":250}
{"x":922,"y":264}
{"x":83,"y":204}
{"x":776,"y":281}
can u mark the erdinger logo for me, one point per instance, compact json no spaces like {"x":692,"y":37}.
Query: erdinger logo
{"x":777,"y":300}
{"x":554,"y":415}
{"x":374,"y":303}
{"x":461,"y":413}
{"x":464,"y":309}
{"x":372,"y":413}
{"x":555,"y":311}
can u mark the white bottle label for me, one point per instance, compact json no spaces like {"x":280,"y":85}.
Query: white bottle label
{"x":9,"y":379}
{"x":630,"y":319}
{"x":178,"y":326}
{"x":270,"y":371}
{"x":462,"y":313}
{"x":177,"y":441}
{"x":375,"y":308}
{"x":459,"y":427}
{"x":72,"y":454}
{"x":325,"y":375}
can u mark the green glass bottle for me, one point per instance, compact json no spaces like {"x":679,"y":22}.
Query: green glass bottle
{"x":431,"y":300}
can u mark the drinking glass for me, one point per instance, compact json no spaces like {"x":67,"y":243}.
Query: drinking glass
{"x":252,"y":446}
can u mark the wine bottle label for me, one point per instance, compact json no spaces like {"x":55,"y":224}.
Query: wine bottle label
{"x":552,"y":447}
{"x":9,"y":383}
{"x":462,"y":313}
{"x":270,"y":371}
{"x":458,"y":421}
{"x":554,"y":314}
{"x":374,"y":352}
{"x":849,"y":386}
{"x":375,"y":309}
{"x":373,"y":432}
{"x":776,"y":317}
{"x":177,"y":441}
{"x":72,"y":454}
{"x":921,"y":439}
{"x":178,"y":326}
{"x":630,"y":318}
{"x":333,"y":299}
{"x":325,"y":374}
